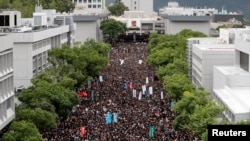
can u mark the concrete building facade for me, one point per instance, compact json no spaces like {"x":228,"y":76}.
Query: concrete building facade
{"x":177,"y":18}
{"x":31,"y":52}
{"x":88,"y":27}
{"x":32,"y":42}
{"x":89,"y":6}
{"x":140,"y":5}
{"x":207,"y":56}
{"x":7,"y":97}
{"x":231,"y":85}
{"x":9,"y":19}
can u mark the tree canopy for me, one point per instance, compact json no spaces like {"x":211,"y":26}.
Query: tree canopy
{"x":55,"y":96}
{"x":43,"y":119}
{"x":111,"y":29}
{"x":27,"y":7}
{"x":79,"y":63}
{"x":22,"y":131}
{"x":118,"y":8}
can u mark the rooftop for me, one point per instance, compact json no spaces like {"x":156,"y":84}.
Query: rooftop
{"x":233,"y":70}
{"x":235,"y":98}
{"x":215,"y":47}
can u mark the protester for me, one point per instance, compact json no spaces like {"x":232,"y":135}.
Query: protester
{"x":124,"y":103}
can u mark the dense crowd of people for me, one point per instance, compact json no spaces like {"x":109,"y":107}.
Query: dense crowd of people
{"x":129,"y":88}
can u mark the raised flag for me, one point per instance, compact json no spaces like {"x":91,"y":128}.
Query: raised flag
{"x":126,"y":85}
{"x":172,"y":103}
{"x":115,"y":117}
{"x":151,"y":90}
{"x":92,"y":95}
{"x":108,"y":118}
{"x":131,"y":85}
{"x":83,"y":131}
{"x":82,"y":94}
{"x":134,"y":93}
{"x":140,"y":95}
{"x":147,"y":93}
{"x":89,"y":83}
{"x":140,"y":61}
{"x":121,"y":61}
{"x":162,"y":95}
{"x":143,"y":89}
{"x":146,"y":80}
{"x":100,"y":78}
{"x":151,"y":131}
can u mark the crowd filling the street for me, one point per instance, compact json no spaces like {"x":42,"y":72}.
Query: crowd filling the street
{"x":126,"y":102}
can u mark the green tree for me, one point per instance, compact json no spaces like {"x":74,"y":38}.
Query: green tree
{"x":118,"y":8}
{"x":4,"y":4}
{"x":43,"y":120}
{"x":178,"y":66}
{"x":177,"y":84}
{"x":22,"y":131}
{"x":203,"y":116}
{"x":188,"y":33}
{"x":155,"y":39}
{"x":102,"y":48}
{"x":64,"y":6}
{"x":160,"y":57}
{"x":111,"y":29}
{"x":53,"y":95}
{"x":185,"y":107}
{"x":79,"y":63}
{"x":192,"y":106}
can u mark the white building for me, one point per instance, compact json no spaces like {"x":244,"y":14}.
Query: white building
{"x":205,"y":56}
{"x":177,"y":18}
{"x":9,"y":19}
{"x":140,"y":5}
{"x":7,"y":97}
{"x":204,"y":53}
{"x":88,"y":27}
{"x":33,"y":41}
{"x":138,"y":21}
{"x":231,"y":86}
{"x":89,"y":6}
{"x":173,"y":8}
{"x":31,"y":51}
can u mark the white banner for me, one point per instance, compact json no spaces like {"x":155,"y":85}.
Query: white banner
{"x":143,"y":89}
{"x":162,"y":95}
{"x":134,"y":93}
{"x":140,"y":61}
{"x":139,"y":97}
{"x":150,"y":90}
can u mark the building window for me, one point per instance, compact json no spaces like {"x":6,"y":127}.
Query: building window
{"x":99,"y":6}
{"x":135,"y":2}
{"x":99,"y":0}
{"x":80,"y":1}
{"x":9,"y":103}
{"x":94,"y":1}
{"x":15,"y":20}
{"x":90,"y":1}
{"x":89,"y":6}
{"x":75,"y":1}
{"x":84,"y":1}
{"x":244,"y":61}
{"x":94,"y":6}
{"x":4,"y":20}
{"x":1,"y":64}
